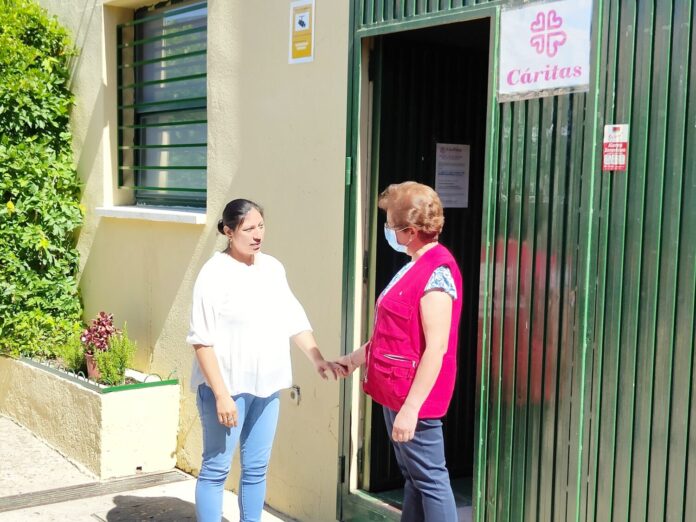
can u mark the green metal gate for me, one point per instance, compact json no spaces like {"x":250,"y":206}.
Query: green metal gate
{"x":586,"y":400}
{"x":640,"y":460}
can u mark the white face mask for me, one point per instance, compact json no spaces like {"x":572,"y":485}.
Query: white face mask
{"x":390,"y":236}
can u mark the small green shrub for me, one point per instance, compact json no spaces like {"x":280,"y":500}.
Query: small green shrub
{"x":113,"y":361}
{"x":40,"y":209}
{"x":72,"y":354}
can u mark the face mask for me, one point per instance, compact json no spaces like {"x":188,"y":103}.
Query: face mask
{"x":390,"y":235}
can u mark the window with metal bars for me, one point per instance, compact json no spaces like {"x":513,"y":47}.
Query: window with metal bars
{"x":162,"y":127}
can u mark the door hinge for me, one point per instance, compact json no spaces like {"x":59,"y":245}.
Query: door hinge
{"x":361,"y":454}
{"x":342,"y":468}
{"x":349,"y":170}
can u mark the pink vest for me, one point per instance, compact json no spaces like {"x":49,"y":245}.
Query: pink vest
{"x":398,"y":342}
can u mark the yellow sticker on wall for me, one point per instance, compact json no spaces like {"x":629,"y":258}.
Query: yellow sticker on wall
{"x":301,"y":31}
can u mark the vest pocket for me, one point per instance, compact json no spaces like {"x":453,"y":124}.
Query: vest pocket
{"x":397,"y":308}
{"x":393,"y":372}
{"x":393,"y":320}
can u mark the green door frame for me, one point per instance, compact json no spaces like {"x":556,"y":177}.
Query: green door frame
{"x":356,"y":505}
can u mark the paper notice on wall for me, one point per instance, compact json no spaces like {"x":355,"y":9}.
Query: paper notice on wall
{"x":301,"y":31}
{"x":452,"y":174}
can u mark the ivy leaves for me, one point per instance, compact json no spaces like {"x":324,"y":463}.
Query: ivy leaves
{"x":40,"y":209}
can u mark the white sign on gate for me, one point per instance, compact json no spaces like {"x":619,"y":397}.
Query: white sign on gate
{"x":545,"y":49}
{"x":615,"y":147}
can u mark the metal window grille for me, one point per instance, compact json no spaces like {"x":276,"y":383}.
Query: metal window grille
{"x":162,"y":127}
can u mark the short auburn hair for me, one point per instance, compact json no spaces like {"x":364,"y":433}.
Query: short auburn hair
{"x":415,"y":205}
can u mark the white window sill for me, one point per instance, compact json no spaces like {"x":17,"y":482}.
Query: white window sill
{"x":168,"y":214}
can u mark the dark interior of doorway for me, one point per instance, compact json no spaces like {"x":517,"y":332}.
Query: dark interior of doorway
{"x":433,"y":89}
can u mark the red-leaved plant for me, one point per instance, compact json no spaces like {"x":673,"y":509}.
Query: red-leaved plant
{"x":96,"y":336}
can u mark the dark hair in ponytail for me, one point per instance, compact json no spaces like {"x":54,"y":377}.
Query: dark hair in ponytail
{"x":235,"y":212}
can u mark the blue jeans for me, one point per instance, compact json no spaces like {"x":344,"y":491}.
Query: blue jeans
{"x":255,"y":430}
{"x":428,"y":494}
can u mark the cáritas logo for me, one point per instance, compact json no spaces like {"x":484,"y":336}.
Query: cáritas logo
{"x":547,"y":35}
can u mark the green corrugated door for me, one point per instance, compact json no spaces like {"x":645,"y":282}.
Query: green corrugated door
{"x":532,"y":351}
{"x":590,"y":412}
{"x":642,"y":457}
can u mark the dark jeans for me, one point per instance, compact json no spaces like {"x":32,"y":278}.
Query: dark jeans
{"x":428,"y":494}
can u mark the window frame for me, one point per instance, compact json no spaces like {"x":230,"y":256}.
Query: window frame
{"x":132,"y":154}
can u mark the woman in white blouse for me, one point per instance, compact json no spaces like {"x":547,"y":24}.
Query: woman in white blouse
{"x":243,"y":316}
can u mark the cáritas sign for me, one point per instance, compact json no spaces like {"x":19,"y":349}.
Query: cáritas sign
{"x":545,"y":49}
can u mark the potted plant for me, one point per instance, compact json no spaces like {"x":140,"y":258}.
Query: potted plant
{"x":95,"y":338}
{"x":107,"y":350}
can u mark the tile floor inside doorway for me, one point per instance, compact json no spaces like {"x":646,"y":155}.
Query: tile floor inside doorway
{"x":462,"y":495}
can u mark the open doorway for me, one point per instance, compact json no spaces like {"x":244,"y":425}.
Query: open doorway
{"x":430,"y":87}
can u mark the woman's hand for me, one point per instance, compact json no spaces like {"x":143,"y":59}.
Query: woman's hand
{"x":224,"y":404}
{"x":323,"y":367}
{"x":226,"y":411}
{"x":346,"y":364}
{"x":306,"y":342}
{"x":352,"y":361}
{"x":405,"y":424}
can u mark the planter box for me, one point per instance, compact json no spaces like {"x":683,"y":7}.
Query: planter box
{"x":111,"y":431}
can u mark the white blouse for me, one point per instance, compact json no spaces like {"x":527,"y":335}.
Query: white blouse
{"x":247,"y":313}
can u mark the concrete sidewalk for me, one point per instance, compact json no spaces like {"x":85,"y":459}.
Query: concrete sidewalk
{"x":38,"y":484}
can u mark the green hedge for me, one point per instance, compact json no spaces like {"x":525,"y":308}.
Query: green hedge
{"x":40,"y":209}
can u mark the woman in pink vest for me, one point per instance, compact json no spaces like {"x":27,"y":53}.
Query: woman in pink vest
{"x":411,"y":359}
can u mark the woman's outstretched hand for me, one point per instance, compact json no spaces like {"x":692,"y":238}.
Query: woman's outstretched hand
{"x":347,"y":366}
{"x":352,"y":361}
{"x":306,"y":342}
{"x":325,"y":368}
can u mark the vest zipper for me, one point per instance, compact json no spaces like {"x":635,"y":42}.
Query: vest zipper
{"x":395,"y":357}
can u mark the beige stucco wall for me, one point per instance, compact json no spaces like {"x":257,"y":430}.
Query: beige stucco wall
{"x":276,"y":134}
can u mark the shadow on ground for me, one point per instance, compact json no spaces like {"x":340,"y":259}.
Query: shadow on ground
{"x":159,"y":509}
